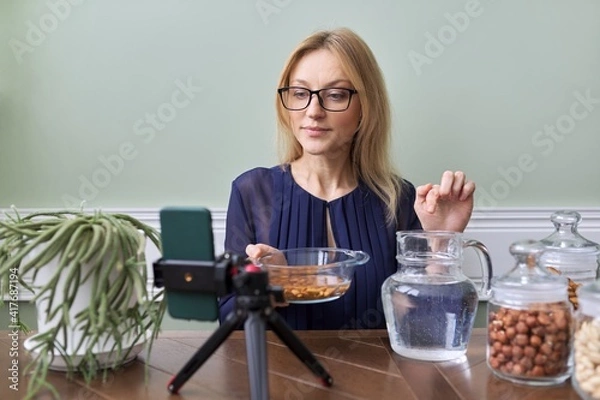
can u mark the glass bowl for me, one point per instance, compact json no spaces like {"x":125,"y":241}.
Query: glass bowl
{"x":312,"y":275}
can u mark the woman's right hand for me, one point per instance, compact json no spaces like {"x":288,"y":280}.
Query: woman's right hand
{"x":256,"y":251}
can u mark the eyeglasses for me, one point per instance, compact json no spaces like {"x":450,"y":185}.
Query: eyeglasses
{"x":296,"y":98}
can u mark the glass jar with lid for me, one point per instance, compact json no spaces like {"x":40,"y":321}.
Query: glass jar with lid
{"x":530,"y":322}
{"x":568,"y":252}
{"x":586,"y":345}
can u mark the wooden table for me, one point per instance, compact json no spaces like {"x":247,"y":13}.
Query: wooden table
{"x":362,"y":364}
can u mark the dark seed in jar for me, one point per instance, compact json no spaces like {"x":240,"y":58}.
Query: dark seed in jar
{"x":522,"y":327}
{"x":517,"y":352}
{"x":521,"y":339}
{"x":529,"y":352}
{"x":511,"y":332}
{"x":537,"y":371}
{"x":535,"y":340}
{"x":540,"y":359}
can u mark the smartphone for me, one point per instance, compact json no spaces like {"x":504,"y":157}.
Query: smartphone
{"x":187,"y":234}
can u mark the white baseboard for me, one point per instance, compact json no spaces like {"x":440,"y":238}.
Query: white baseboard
{"x":496,"y":228}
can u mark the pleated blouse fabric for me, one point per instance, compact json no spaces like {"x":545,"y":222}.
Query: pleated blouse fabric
{"x":267,"y":206}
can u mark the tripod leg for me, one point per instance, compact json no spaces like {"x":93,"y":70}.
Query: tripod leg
{"x":256,"y":350}
{"x":287,"y":336}
{"x":213,"y":342}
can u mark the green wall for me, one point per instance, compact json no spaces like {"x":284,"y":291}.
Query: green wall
{"x":84,"y":85}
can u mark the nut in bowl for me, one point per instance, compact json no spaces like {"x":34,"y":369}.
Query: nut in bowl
{"x":312,"y":275}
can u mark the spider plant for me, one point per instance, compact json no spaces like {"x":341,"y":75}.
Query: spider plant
{"x":75,"y":249}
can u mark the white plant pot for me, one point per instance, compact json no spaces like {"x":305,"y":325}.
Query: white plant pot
{"x":72,"y":336}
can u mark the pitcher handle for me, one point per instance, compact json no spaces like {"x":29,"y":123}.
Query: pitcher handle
{"x":485,"y":262}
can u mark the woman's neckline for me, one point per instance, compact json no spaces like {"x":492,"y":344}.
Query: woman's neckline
{"x":288,"y":171}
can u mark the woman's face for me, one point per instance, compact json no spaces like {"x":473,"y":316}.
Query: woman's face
{"x":321,"y":132}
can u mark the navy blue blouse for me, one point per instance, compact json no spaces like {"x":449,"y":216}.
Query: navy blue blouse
{"x":267,"y":206}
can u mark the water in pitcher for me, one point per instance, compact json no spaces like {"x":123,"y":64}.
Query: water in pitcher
{"x":430,"y":320}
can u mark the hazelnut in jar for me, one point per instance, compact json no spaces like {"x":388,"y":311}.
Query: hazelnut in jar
{"x":530,"y":322}
{"x":586,"y":345}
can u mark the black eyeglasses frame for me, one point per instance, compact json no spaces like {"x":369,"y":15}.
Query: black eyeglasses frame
{"x":284,"y":89}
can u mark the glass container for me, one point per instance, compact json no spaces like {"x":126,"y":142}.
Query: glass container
{"x":314,"y":274}
{"x":429,"y":304}
{"x":530,"y":322}
{"x":568,"y":251}
{"x":570,"y":254}
{"x":586,"y":376}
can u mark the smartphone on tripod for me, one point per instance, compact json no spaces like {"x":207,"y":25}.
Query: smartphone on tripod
{"x":192,"y":280}
{"x":187,"y":234}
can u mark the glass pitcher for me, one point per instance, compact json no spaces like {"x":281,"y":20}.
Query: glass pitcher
{"x":429,"y":304}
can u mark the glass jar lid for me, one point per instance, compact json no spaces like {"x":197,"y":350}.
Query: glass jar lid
{"x":589,"y":298}
{"x":527,"y":282}
{"x":566,"y":237}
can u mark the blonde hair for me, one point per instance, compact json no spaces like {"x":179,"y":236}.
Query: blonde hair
{"x":369,"y":154}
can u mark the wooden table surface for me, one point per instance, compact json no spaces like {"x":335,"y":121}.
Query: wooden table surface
{"x":362,"y":364}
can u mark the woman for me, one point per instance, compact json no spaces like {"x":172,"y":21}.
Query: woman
{"x":336,"y":186}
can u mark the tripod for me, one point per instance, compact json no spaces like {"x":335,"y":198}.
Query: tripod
{"x":253,"y":307}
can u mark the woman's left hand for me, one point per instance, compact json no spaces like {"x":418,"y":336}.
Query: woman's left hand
{"x":447,"y":206}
